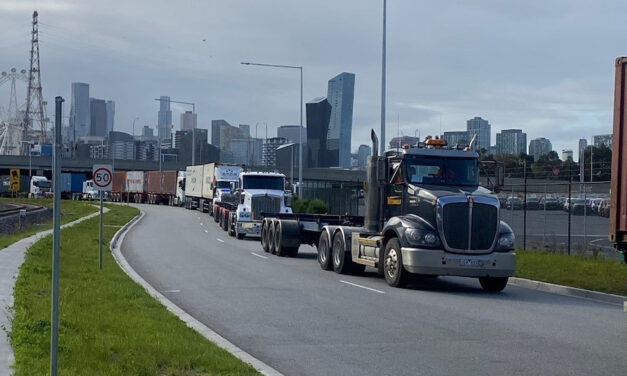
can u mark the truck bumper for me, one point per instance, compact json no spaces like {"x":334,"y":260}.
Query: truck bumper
{"x":439,"y":262}
{"x":249,"y":228}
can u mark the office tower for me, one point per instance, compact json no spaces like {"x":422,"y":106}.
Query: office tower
{"x":318,"y":112}
{"x":110,"y":116}
{"x":205,"y":153}
{"x":567,"y":154}
{"x":164,"y":121}
{"x":222,"y":133}
{"x":189,"y":121}
{"x":341,"y":91}
{"x":147,"y":132}
{"x":80,"y":118}
{"x":482,"y":129}
{"x":398,"y":142}
{"x":247,"y":151}
{"x":602,"y":139}
{"x":121,"y":145}
{"x":511,"y":141}
{"x":453,"y":138}
{"x":539,"y":146}
{"x":362,"y":155}
{"x":98,"y":115}
{"x":268,"y":157}
{"x":291,"y":133}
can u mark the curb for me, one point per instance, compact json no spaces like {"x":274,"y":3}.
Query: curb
{"x":199,"y":327}
{"x":570,"y":291}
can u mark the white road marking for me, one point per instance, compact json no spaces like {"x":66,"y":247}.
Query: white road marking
{"x":260,"y":256}
{"x":201,"y":224}
{"x":206,"y":231}
{"x":220,"y":240}
{"x":171,"y":291}
{"x":363,"y":287}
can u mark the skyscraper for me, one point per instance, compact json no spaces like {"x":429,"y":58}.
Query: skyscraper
{"x":583,"y":144}
{"x":539,"y":147}
{"x":268,"y":157}
{"x":602,"y":139}
{"x":511,"y":141}
{"x":456,"y":138}
{"x":164,"y":122}
{"x":110,"y":116}
{"x":482,"y":129}
{"x":98,"y":115}
{"x":341,"y":92}
{"x":80,"y":118}
{"x":189,"y":121}
{"x":222,"y":133}
{"x":362,"y":155}
{"x":318,"y":112}
{"x":290,"y":132}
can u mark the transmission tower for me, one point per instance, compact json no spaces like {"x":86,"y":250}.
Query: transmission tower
{"x":35,"y":105}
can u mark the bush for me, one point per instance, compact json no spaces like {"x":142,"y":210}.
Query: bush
{"x":309,"y":205}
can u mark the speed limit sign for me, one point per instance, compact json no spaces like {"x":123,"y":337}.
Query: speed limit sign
{"x":102,"y":176}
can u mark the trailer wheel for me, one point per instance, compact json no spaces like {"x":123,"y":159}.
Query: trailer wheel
{"x":270,"y":236}
{"x":230,"y":225}
{"x":395,"y":274}
{"x":342,"y":263}
{"x":216,"y":215}
{"x":225,"y":220}
{"x":493,"y":284}
{"x":324,"y":251}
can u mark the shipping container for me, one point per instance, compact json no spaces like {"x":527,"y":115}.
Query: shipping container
{"x":118,"y":186}
{"x":134,"y":187}
{"x":618,"y":190}
{"x":72,"y":185}
{"x":193,"y":186}
{"x":161,"y":186}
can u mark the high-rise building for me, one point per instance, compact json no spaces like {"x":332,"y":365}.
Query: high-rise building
{"x":318,"y":112}
{"x":539,"y":146}
{"x":362,"y":155}
{"x":147,"y":150}
{"x":247,"y":151}
{"x":291,"y":133}
{"x":511,"y":141}
{"x":188,"y":121}
{"x":164,"y":121}
{"x":98,"y":115}
{"x":287,"y":159}
{"x":481,"y":128}
{"x":121,"y":145}
{"x":602,"y":139}
{"x":80,"y":118}
{"x":205,"y":153}
{"x":398,"y":142}
{"x":222,"y":133}
{"x":148,"y":132}
{"x":110,"y":116}
{"x":456,"y":138}
{"x":567,"y":154}
{"x":268,"y":156}
{"x":341,"y":92}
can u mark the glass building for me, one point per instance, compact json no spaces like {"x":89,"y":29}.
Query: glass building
{"x":340,"y":94}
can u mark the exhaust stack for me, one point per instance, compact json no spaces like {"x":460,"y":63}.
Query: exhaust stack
{"x":371,"y":219}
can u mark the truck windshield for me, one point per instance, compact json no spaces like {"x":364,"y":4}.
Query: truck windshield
{"x":223,"y":184}
{"x":264,"y":182}
{"x":42,"y":184}
{"x":441,"y":171}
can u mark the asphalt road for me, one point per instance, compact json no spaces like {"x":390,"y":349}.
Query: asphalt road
{"x":302,"y":320}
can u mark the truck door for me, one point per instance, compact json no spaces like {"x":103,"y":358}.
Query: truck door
{"x":395,"y":190}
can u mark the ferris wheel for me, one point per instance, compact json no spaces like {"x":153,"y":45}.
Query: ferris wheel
{"x":12,"y":119}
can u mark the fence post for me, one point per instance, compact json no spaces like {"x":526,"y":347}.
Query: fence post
{"x":570,"y":204}
{"x":525,"y":207}
{"x":544,"y":227}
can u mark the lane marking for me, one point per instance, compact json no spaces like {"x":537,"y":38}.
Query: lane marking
{"x":171,"y":291}
{"x":220,"y":240}
{"x":260,"y":256}
{"x":201,"y":224}
{"x":206,"y":231}
{"x":363,"y":287}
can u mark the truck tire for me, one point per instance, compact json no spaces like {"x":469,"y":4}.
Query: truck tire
{"x":270,"y":237}
{"x":264,"y":235}
{"x":216,"y":216}
{"x":286,"y":237}
{"x":324,"y":251}
{"x":393,"y":270}
{"x":230,"y":225}
{"x":493,"y":284}
{"x":341,"y":259}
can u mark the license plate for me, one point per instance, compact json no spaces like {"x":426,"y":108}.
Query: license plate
{"x":471,"y":262}
{"x":248,"y":225}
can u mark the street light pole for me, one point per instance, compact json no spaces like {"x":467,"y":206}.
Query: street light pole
{"x":300,"y":131}
{"x":383,"y":82}
{"x":134,"y":151}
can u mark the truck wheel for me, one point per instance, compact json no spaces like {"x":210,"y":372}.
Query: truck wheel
{"x":264,"y":235}
{"x":324,"y":252}
{"x":230,"y":226}
{"x":395,"y":274}
{"x":341,"y":259}
{"x":239,"y":236}
{"x":270,"y":237}
{"x":216,"y":216}
{"x":493,"y":284}
{"x":279,"y":249}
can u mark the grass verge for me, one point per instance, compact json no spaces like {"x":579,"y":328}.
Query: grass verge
{"x":70,"y":211}
{"x":108,"y":325}
{"x":576,"y":271}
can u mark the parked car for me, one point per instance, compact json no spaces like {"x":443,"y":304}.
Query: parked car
{"x":578,"y":206}
{"x":514,"y":203}
{"x":533,"y":203}
{"x":550,"y":203}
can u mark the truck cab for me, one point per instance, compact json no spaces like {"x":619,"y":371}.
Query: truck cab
{"x":89,"y":190}
{"x":40,"y":187}
{"x":257,"y":193}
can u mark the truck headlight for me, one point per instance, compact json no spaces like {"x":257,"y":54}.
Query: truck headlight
{"x":422,"y":237}
{"x":505,"y":242}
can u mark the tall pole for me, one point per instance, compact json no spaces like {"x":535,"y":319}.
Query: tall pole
{"x":300,"y":135}
{"x":383,"y":83}
{"x":193,"y":136}
{"x":134,"y":151}
{"x":525,"y":207}
{"x":56,"y":240}
{"x":100,"y":242}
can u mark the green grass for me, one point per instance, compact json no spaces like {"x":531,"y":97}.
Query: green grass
{"x":577,"y":271}
{"x":109,"y":325}
{"x":70,"y":211}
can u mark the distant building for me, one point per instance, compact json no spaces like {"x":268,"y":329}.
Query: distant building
{"x":341,"y":92}
{"x":398,"y":142}
{"x":121,"y":145}
{"x":164,"y":120}
{"x":99,"y":152}
{"x":583,"y":144}
{"x":287,"y":159}
{"x":482,"y":129}
{"x":602,"y":139}
{"x":98,"y":115}
{"x":189,"y":121}
{"x":291,"y":133}
{"x":453,"y":138}
{"x":362,"y":155}
{"x":110,"y":116}
{"x":567,"y":154}
{"x":247,"y":151}
{"x":205,"y":153}
{"x":147,"y":150}
{"x":511,"y":141}
{"x":148,"y":132}
{"x":539,"y":146}
{"x":318,"y":112}
{"x":222,"y":133}
{"x":268,"y":157}
{"x":80,"y":118}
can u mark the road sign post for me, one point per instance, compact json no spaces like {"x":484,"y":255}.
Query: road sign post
{"x":103,"y":177}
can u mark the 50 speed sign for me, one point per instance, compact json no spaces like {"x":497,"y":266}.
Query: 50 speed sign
{"x":102,"y":175}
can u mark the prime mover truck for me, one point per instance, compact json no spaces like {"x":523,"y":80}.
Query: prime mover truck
{"x":425,"y":215}
{"x":153,"y":187}
{"x":205,"y":183}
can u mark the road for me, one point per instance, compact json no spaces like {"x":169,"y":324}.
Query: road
{"x":302,"y":320}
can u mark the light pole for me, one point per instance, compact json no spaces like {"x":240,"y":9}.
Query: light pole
{"x":383,"y":82}
{"x":134,"y":151}
{"x":193,"y":128}
{"x":300,"y":131}
{"x":30,"y":155}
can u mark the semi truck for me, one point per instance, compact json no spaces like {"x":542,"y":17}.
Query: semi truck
{"x":204,"y":183}
{"x":153,"y":187}
{"x":72,"y":185}
{"x":160,"y":187}
{"x":193,"y":186}
{"x":618,"y":185}
{"x":240,"y":212}
{"x":425,"y":215}
{"x":40,"y":187}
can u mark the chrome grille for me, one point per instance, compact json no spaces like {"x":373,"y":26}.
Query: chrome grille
{"x":266,"y":204}
{"x":468,"y":225}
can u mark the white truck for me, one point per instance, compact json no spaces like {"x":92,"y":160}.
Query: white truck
{"x":89,"y":191}
{"x":219,"y":179}
{"x":240,"y":212}
{"x":39,"y":187}
{"x":180,"y":188}
{"x":193,"y":186}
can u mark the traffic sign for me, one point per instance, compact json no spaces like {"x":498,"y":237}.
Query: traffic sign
{"x":14,"y":179}
{"x":102,"y":176}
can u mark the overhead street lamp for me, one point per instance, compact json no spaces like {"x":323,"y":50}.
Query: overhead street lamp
{"x":30,"y":155}
{"x":300,"y":131}
{"x":134,"y":151}
{"x":193,"y":128}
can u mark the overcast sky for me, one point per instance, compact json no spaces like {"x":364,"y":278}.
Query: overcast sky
{"x":546,"y":67}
